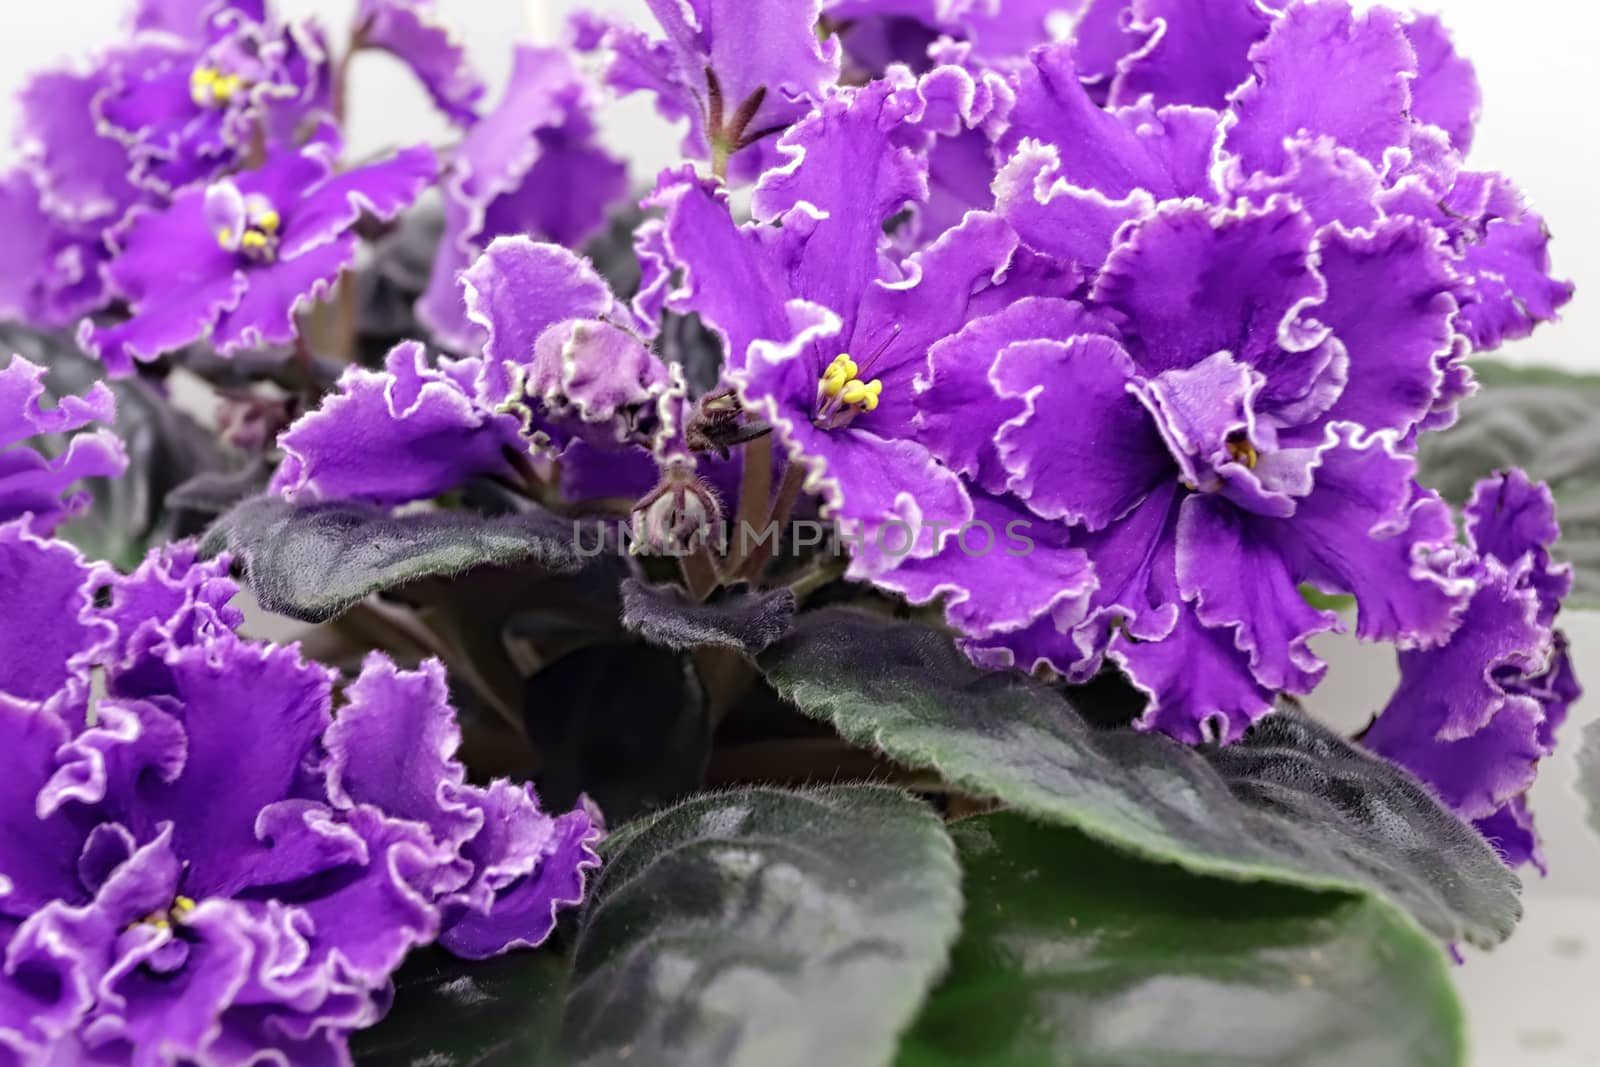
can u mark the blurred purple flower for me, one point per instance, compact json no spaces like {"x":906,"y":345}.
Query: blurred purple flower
{"x":232,"y":262}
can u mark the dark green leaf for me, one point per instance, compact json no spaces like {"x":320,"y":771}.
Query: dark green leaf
{"x":1292,"y":802}
{"x":764,"y":928}
{"x":1546,"y":422}
{"x":314,"y":562}
{"x":213,"y":492}
{"x":732,"y":618}
{"x":458,"y":1013}
{"x":1072,"y":953}
{"x":625,"y":723}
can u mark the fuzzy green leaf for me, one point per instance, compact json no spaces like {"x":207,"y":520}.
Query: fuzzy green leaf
{"x":1074,"y":954}
{"x":1291,"y":803}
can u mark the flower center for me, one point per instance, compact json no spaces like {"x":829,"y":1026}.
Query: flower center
{"x":841,"y":395}
{"x":1242,"y":451}
{"x":163,"y":920}
{"x":259,"y":241}
{"x":209,"y":87}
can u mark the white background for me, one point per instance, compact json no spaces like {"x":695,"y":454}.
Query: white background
{"x":1535,"y":1001}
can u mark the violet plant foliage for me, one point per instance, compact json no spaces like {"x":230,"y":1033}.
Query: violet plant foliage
{"x":1102,"y":334}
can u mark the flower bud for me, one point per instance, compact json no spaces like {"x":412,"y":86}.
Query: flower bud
{"x":679,"y":514}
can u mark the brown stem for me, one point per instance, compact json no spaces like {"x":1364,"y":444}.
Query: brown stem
{"x":341,"y":75}
{"x":699,"y":571}
{"x":755,"y":497}
{"x":794,"y":480}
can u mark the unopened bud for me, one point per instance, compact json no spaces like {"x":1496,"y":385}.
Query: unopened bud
{"x":676,"y":515}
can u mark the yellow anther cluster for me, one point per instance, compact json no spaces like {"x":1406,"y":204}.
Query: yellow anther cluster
{"x":260,"y":238}
{"x":1244,"y":452}
{"x":163,"y":920}
{"x":839,"y":382}
{"x":209,"y":87}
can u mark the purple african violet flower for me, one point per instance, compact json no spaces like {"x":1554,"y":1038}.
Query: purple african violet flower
{"x":413,"y":33}
{"x":1195,"y":424}
{"x":33,"y":487}
{"x":189,"y":875}
{"x":740,"y":72}
{"x":1473,"y":718}
{"x":191,"y":106}
{"x":232,"y":262}
{"x":825,"y":332}
{"x":1230,"y":99}
{"x":191,"y":19}
{"x":50,"y":269}
{"x":564,"y":365}
{"x":530,"y":166}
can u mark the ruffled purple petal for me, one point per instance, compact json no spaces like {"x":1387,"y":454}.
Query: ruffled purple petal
{"x":1513,"y":519}
{"x":1510,"y":290}
{"x":518,"y":289}
{"x":733,"y":276}
{"x":49,"y":636}
{"x":1094,"y":468}
{"x":959,"y":410}
{"x":421,"y":431}
{"x":32,"y":485}
{"x":380,"y":190}
{"x":393,"y":747}
{"x":177,"y":279}
{"x":532,"y":165}
{"x":1445,"y":91}
{"x":843,"y":178}
{"x":275,"y":293}
{"x":1002,"y":573}
{"x":528,"y":866}
{"x":411,"y":31}
{"x":1196,"y":52}
{"x":1325,"y":70}
{"x":1193,"y":281}
{"x":1366,"y":529}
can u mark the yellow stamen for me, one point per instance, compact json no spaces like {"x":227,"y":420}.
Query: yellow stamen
{"x":253,"y":241}
{"x":864,"y":393}
{"x":225,"y":237}
{"x":268,"y":221}
{"x":182,"y":905}
{"x":1244,"y":452}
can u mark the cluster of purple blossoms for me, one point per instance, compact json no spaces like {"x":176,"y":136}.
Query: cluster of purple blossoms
{"x":1178,"y":289}
{"x":1172,"y":288}
{"x":212,"y":854}
{"x":185,"y":185}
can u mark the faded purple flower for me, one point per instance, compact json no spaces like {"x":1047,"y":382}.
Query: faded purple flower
{"x":531,"y":166}
{"x":412,"y":32}
{"x":1473,"y":718}
{"x":740,"y":72}
{"x":202,"y":863}
{"x":40,"y":489}
{"x":188,"y":107}
{"x":232,"y":262}
{"x":50,"y":269}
